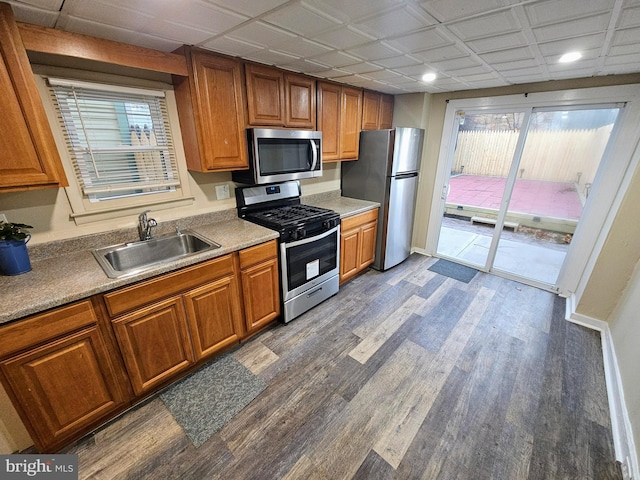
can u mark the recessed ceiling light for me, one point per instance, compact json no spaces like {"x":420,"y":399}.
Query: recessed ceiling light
{"x":428,"y":77}
{"x":570,"y":57}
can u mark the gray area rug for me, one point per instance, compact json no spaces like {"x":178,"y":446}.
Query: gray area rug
{"x":206,"y":400}
{"x":461,"y":273}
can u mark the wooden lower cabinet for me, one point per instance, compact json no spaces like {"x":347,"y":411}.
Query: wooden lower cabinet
{"x":357,"y":243}
{"x":214,"y":315}
{"x":155,"y":343}
{"x":62,"y":387}
{"x":260,"y":285}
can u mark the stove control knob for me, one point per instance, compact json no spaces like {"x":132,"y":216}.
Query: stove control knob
{"x":300,"y":233}
{"x":329,"y":224}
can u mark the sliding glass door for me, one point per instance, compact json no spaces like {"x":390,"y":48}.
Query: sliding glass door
{"x":517,"y":185}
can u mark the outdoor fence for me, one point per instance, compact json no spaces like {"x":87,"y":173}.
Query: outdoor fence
{"x":549,"y":155}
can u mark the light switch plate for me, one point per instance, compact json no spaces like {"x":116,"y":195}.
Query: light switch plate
{"x":222,"y":191}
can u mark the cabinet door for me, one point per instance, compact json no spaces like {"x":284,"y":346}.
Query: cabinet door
{"x":349,"y":258}
{"x":367,"y":247}
{"x":386,"y":112}
{"x":350,"y":123}
{"x":30,"y":158}
{"x":265,"y":95}
{"x":329,"y":105}
{"x":214,"y":315}
{"x":155,"y":343}
{"x":211,"y":110}
{"x":64,"y":387}
{"x":261,"y":294}
{"x":300,"y":101}
{"x":370,"y":110}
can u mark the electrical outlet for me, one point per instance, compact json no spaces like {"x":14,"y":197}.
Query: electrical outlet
{"x":222,"y":191}
{"x":3,"y":218}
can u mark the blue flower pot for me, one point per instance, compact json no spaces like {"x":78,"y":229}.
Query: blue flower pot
{"x":14,"y":258}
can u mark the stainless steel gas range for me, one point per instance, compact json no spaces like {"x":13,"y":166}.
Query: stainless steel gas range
{"x":309,"y":243}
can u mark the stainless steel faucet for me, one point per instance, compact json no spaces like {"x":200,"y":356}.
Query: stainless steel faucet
{"x":145,"y":225}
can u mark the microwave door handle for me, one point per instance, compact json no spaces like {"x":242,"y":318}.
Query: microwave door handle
{"x":314,"y":155}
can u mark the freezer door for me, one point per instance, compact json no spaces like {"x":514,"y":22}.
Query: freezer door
{"x":399,"y":222}
{"x":407,"y":150}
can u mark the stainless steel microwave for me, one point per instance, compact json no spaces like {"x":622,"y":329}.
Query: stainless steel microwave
{"x":279,"y":155}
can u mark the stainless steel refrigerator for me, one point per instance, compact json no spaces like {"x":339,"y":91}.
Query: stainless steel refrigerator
{"x":387,"y":172}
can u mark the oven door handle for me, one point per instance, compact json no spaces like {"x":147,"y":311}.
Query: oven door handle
{"x":314,"y":238}
{"x":314,"y":155}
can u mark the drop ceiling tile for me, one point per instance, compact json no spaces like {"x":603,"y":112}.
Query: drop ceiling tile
{"x":302,"y":47}
{"x":414,"y":70}
{"x":336,"y":59}
{"x":582,"y":65}
{"x":573,"y":73}
{"x":202,"y":16}
{"x":486,"y":26}
{"x":488,"y":83}
{"x":582,"y":43}
{"x":250,"y":8}
{"x":85,"y":27}
{"x":395,"y":22}
{"x":374,"y":51}
{"x":403,"y":80}
{"x":119,"y":16}
{"x":499,"y":42}
{"x":51,"y":5}
{"x":629,"y":49}
{"x":504,"y":68}
{"x":179,"y":32}
{"x":301,"y":19}
{"x":231,"y":46}
{"x":618,"y":60}
{"x":333,"y":73}
{"x":521,"y":72}
{"x":262,"y":33}
{"x":417,"y":41}
{"x":343,"y":38}
{"x":362,"y":67}
{"x":272,"y":57}
{"x":26,"y":13}
{"x":630,"y":17}
{"x":441,"y":53}
{"x":354,"y":10}
{"x":303,"y":65}
{"x":626,"y":36}
{"x":554,"y":11}
{"x":540,"y":77}
{"x":508,"y":55}
{"x":456,"y":63}
{"x":398,"y":61}
{"x":465,"y":72}
{"x":620,"y":69}
{"x":572,"y":28}
{"x":383,"y":75}
{"x":448,"y":10}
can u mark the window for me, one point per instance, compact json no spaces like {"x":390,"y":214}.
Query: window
{"x":118,"y":138}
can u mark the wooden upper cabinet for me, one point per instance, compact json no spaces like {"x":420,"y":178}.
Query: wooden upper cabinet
{"x":300,"y":101}
{"x":30,"y":158}
{"x":377,"y":111}
{"x":211,"y":110}
{"x":279,"y":99}
{"x":339,"y":119}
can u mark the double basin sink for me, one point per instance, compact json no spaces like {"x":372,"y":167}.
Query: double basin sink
{"x":126,"y":259}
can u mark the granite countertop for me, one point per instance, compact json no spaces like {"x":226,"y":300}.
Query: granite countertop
{"x":66,"y":271}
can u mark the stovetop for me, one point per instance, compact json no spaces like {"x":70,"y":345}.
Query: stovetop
{"x":291,"y":215}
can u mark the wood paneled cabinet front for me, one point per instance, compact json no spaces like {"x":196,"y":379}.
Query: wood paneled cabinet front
{"x":30,"y":157}
{"x":357,"y":243}
{"x":165,"y":325}
{"x":60,"y":372}
{"x":339,"y":119}
{"x":279,"y":99}
{"x":211,"y":110}
{"x":260,"y":285}
{"x":377,"y":111}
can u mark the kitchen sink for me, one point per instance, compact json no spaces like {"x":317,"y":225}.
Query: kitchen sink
{"x":130,"y":258}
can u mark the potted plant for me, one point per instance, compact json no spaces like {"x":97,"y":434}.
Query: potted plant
{"x":14,"y":258}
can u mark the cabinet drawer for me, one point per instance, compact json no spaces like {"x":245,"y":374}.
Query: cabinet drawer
{"x":45,"y":326}
{"x":259,"y":253}
{"x":170,"y":284}
{"x":357,"y":220}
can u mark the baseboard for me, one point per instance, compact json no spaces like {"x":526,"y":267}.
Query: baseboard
{"x":621,"y":430}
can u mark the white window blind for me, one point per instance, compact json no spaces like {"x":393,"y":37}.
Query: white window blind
{"x":119,"y":138}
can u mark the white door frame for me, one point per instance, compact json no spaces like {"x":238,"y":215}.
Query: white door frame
{"x":616,"y":168}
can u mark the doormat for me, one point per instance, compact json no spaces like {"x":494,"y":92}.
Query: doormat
{"x":461,"y":273}
{"x":206,"y":400}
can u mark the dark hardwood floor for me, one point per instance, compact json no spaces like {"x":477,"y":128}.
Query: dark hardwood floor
{"x":405,"y":374}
